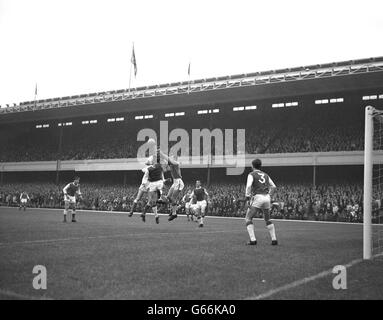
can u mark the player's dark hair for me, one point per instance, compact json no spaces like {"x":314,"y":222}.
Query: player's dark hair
{"x":257,"y":164}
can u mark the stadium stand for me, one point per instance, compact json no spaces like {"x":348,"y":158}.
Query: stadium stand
{"x":288,"y":131}
{"x":308,"y":119}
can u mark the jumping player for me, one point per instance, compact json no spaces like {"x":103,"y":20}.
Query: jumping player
{"x":177,"y":186}
{"x":156,"y":184}
{"x":259,"y":187}
{"x":201,"y":196}
{"x":24,"y":198}
{"x":144,"y":187}
{"x":71,"y":190}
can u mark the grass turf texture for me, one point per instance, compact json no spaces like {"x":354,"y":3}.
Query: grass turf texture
{"x":113,"y":256}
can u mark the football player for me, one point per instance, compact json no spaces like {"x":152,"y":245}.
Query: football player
{"x":177,"y":186}
{"x":259,"y":188}
{"x":144,"y":187}
{"x":71,"y":190}
{"x":156,"y":184}
{"x":200,"y":195}
{"x":24,"y":198}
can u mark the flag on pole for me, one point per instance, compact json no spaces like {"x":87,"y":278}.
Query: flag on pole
{"x":35,"y":95}
{"x":133,"y":61}
{"x":189,"y":78}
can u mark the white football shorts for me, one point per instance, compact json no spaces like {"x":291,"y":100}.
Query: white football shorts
{"x":201,"y":205}
{"x":178,"y":184}
{"x":70,"y":199}
{"x":144,"y":187}
{"x":156,"y":185}
{"x":193,"y":207}
{"x":261,"y":201}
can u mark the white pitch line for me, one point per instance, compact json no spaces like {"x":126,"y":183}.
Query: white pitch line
{"x":47,"y":241}
{"x":207,"y":216}
{"x":303,"y":281}
{"x":15,"y":295}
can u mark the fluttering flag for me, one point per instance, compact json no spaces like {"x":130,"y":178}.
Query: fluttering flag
{"x":133,"y":61}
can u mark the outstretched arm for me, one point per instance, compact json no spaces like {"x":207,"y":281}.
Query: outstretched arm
{"x":144,"y":170}
{"x":168,"y":159}
{"x":149,"y":161}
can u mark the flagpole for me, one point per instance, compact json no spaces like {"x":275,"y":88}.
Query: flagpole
{"x":130,"y":76}
{"x":130,"y":73}
{"x":189,"y":78}
{"x":35,"y":95}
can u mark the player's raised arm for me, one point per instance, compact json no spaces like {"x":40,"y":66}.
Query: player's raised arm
{"x":149,"y":161}
{"x":167,"y":158}
{"x":144,"y":170}
{"x":173,"y":162}
{"x":249,"y":184}
{"x":162,"y":155}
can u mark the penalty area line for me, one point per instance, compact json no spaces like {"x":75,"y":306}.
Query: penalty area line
{"x":303,"y":281}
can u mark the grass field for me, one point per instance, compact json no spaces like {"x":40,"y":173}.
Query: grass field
{"x":113,"y":256}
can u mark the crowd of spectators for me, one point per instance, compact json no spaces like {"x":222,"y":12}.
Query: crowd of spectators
{"x":266,"y":139}
{"x":317,"y":129}
{"x":325,"y":202}
{"x":318,"y":139}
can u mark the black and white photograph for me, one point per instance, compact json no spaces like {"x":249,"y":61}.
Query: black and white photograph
{"x":192,"y":155}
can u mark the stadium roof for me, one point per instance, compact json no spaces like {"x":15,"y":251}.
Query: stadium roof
{"x":331,"y":77}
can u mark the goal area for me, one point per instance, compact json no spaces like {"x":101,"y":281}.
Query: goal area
{"x":373,"y":184}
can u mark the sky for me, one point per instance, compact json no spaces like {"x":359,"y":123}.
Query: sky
{"x":70,"y":47}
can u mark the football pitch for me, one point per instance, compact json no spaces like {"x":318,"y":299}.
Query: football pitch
{"x":113,"y":256}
